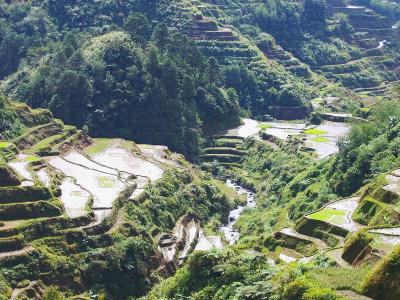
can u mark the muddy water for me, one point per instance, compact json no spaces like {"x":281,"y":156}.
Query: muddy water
{"x":395,"y":231}
{"x":44,"y":177}
{"x":231,"y":234}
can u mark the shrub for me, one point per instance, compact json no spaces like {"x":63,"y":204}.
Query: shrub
{"x":355,"y":244}
{"x":383,"y":280}
{"x":320,"y":294}
{"x":23,"y":194}
{"x":19,"y":211}
{"x":53,"y":293}
{"x":11,"y":243}
{"x":8,"y":177}
{"x":296,"y":289}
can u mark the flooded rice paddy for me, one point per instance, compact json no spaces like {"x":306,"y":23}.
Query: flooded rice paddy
{"x":322,"y":138}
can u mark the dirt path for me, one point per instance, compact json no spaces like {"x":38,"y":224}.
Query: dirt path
{"x":351,"y":295}
{"x":118,"y":222}
{"x":25,"y":250}
{"x":17,"y":292}
{"x":10,"y":224}
{"x":336,"y":255}
{"x":289,"y":255}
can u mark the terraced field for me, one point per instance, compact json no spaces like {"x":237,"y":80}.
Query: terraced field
{"x":66,"y":182}
{"x":210,"y":26}
{"x":321,"y":139}
{"x":227,"y":150}
{"x":372,"y":72}
{"x":322,"y":231}
{"x":378,"y":38}
{"x":343,"y":230}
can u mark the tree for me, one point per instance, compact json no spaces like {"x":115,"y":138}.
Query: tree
{"x":53,"y":293}
{"x":343,"y":25}
{"x":315,"y":11}
{"x":213,"y":71}
{"x":70,"y":40}
{"x":72,"y":95}
{"x":160,"y":36}
{"x":138,"y":26}
{"x":11,"y":46}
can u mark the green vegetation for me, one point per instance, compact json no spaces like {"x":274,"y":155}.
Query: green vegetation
{"x":106,"y":182}
{"x":355,"y":244}
{"x":320,"y":139}
{"x":175,"y":73}
{"x":98,"y":146}
{"x":340,"y":278}
{"x":279,"y":241}
{"x":4,"y":144}
{"x":171,"y":92}
{"x":264,"y":126}
{"x":380,"y":283}
{"x":329,"y":215}
{"x":369,"y":149}
{"x":91,"y":258}
{"x":242,"y":276}
{"x":230,"y":192}
{"x":8,"y":177}
{"x":315,"y":131}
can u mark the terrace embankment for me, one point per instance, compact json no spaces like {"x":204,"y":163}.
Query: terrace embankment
{"x":227,"y":150}
{"x":222,"y":40}
{"x":59,"y":186}
{"x":187,"y":236}
{"x":321,"y":139}
{"x":350,"y":231}
{"x":376,"y":36}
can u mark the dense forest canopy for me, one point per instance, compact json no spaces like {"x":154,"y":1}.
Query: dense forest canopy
{"x":159,"y":91}
{"x":122,"y":76}
{"x":45,"y":43}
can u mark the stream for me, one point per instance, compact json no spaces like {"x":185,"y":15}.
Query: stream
{"x":231,"y":234}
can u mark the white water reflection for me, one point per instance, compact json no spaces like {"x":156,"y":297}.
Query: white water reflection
{"x":21,"y":166}
{"x":249,"y":128}
{"x":74,"y":198}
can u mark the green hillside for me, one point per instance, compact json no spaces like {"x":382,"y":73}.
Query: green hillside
{"x":199,"y":149}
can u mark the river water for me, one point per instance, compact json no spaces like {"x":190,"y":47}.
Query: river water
{"x":231,"y":234}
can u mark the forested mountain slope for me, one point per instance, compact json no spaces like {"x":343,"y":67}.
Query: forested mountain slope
{"x":288,"y":110}
{"x":318,"y":33}
{"x":277,"y":56}
{"x":149,"y":83}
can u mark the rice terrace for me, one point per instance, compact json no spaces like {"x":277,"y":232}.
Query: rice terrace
{"x":200,"y":149}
